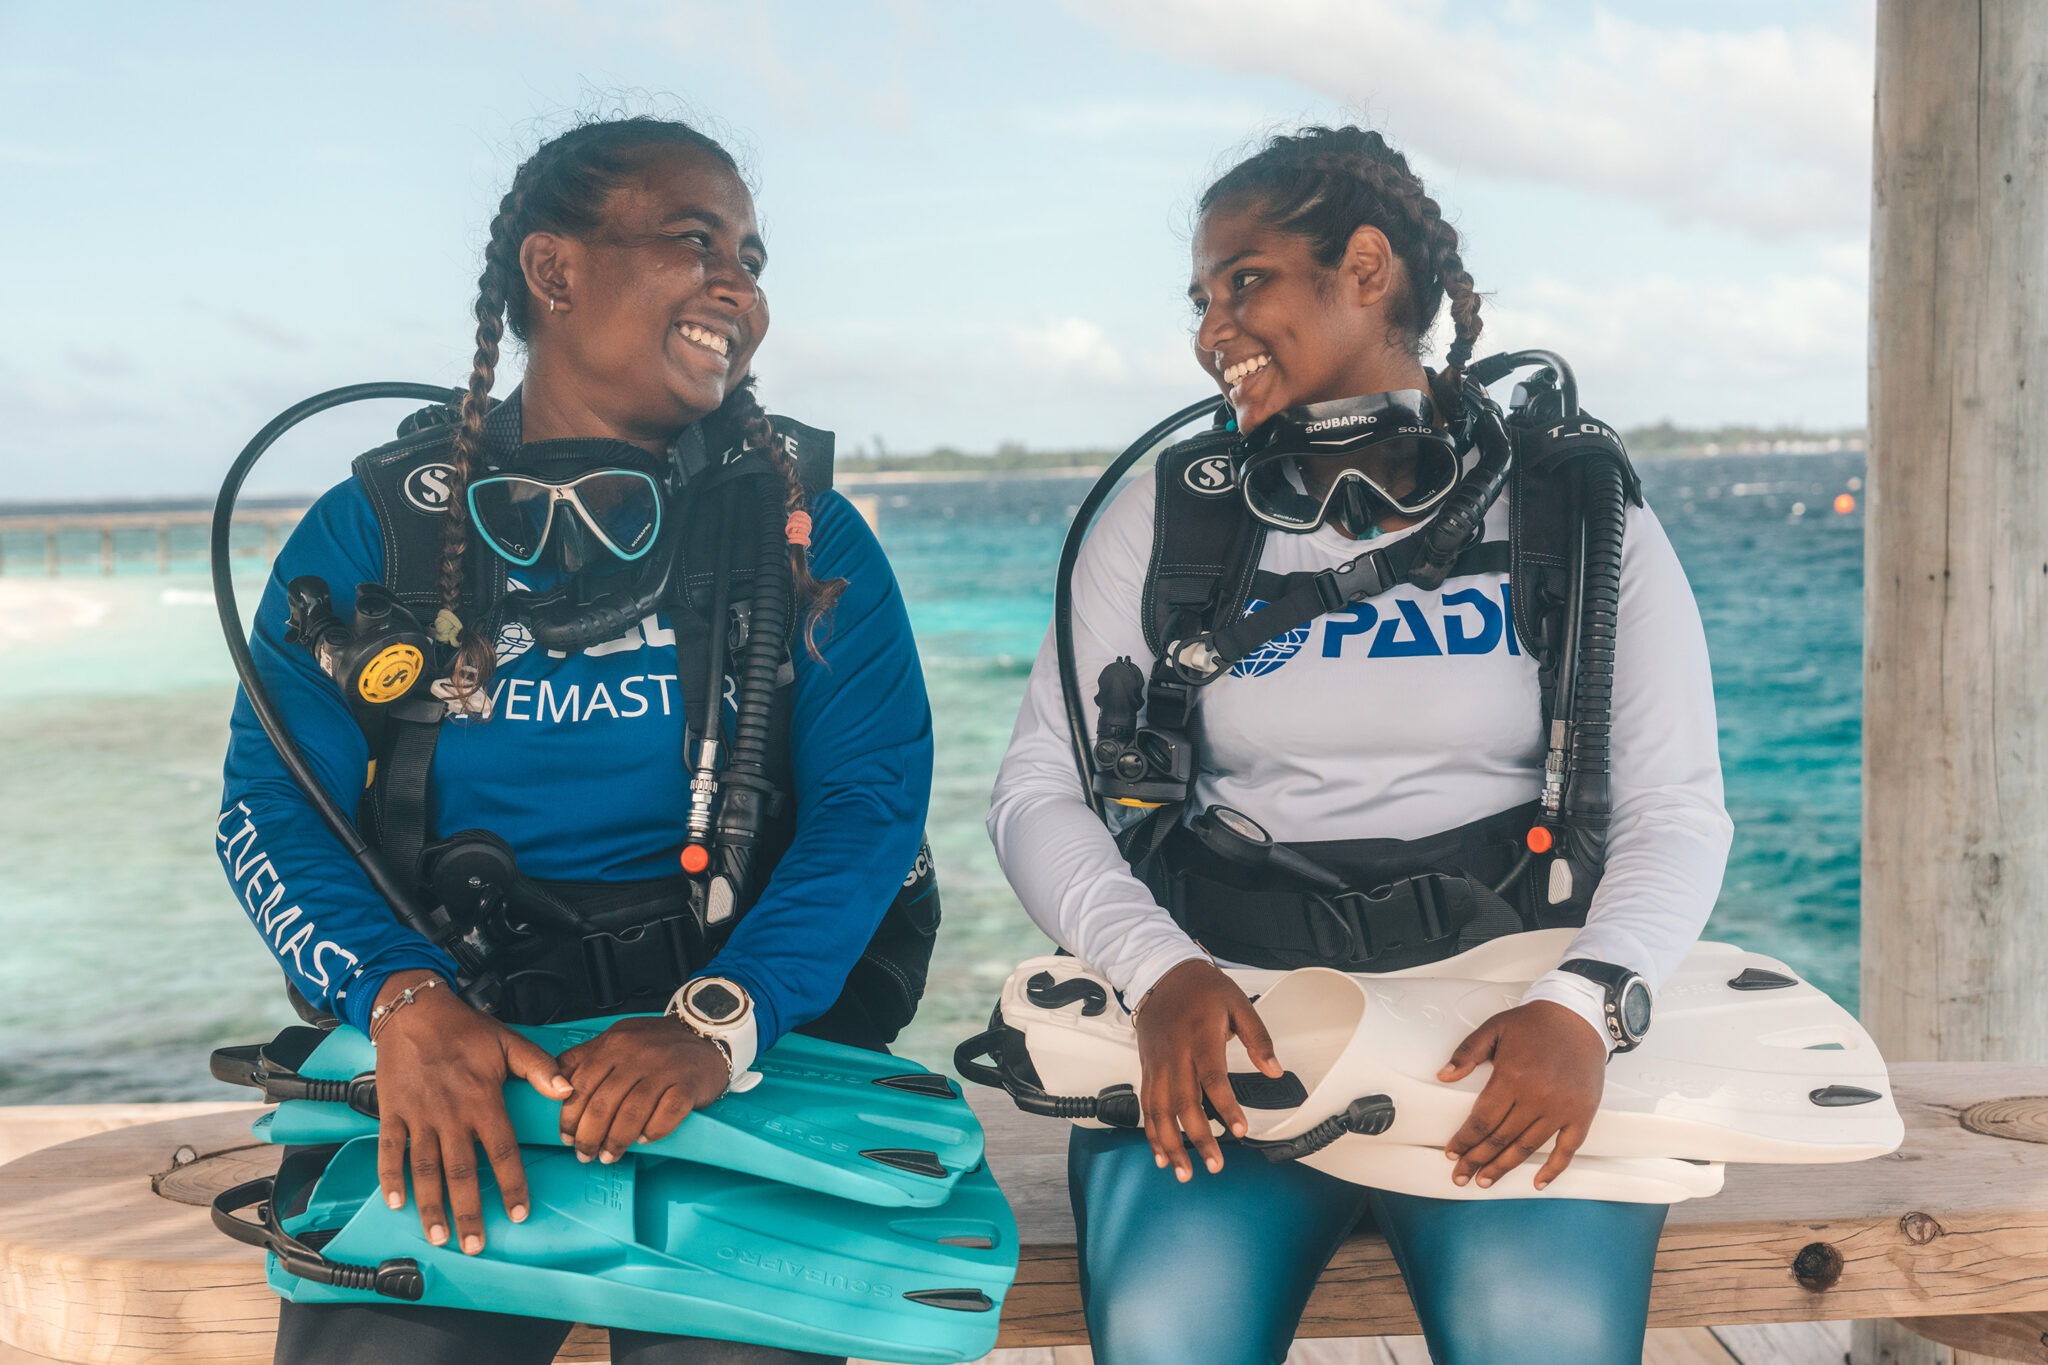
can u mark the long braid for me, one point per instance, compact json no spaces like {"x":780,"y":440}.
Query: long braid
{"x":475,"y":658}
{"x":1326,"y":183}
{"x":744,"y":412}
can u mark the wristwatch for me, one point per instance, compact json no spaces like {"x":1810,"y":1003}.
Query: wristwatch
{"x":1627,"y":1007}
{"x":720,"y":1009}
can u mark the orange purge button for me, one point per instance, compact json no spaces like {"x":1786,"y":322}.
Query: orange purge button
{"x":1539,"y":840}
{"x":696,"y":858}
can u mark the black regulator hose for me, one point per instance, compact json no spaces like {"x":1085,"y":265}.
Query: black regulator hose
{"x":1586,"y":807}
{"x":1063,"y":580}
{"x":400,"y":897}
{"x":1463,"y":515}
{"x":748,"y":787}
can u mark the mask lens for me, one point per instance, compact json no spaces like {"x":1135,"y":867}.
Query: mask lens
{"x":1277,"y":495}
{"x":623,"y":508}
{"x":512,"y":514}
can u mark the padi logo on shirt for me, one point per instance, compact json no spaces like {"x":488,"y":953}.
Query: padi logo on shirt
{"x":1271,"y":654}
{"x":1211,"y":476}
{"x":1467,"y":621}
{"x":428,"y":487}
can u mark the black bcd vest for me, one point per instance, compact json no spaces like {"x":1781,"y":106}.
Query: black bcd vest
{"x":1408,"y":902}
{"x":653,"y":936}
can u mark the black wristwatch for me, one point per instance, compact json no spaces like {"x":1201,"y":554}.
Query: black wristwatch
{"x":1628,"y":999}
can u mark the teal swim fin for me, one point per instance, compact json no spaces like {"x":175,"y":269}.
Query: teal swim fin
{"x":841,"y":1120}
{"x":657,"y":1246}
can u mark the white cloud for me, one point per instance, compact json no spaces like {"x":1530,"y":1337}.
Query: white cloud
{"x":1788,"y":347}
{"x":1073,"y":347}
{"x":1765,"y":130}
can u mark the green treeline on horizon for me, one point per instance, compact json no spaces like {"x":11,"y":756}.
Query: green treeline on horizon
{"x":1661,"y":440}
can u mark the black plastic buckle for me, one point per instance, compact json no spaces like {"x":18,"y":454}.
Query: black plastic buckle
{"x":1369,"y":575}
{"x":1403,"y":914}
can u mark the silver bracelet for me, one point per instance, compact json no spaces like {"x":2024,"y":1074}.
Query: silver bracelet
{"x":382,"y":1013}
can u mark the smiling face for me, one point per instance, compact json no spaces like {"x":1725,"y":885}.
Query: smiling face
{"x":657,"y":313}
{"x":1279,"y":329}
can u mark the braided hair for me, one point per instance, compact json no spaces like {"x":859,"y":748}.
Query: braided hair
{"x":1323,"y":184}
{"x":563,"y":187}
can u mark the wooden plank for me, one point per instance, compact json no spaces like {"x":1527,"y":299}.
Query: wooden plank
{"x":91,"y":1260}
{"x":1787,"y":1343}
{"x":1998,"y":1336}
{"x":1954,"y":1222}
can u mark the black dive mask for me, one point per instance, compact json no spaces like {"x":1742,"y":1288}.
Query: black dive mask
{"x":1282,"y":489}
{"x":599,"y":511}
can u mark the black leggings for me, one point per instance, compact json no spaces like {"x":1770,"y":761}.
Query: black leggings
{"x":376,"y":1334}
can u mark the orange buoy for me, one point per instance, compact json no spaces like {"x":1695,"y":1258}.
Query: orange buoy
{"x":1845,"y":502}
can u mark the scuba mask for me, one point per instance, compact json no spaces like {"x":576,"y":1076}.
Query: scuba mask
{"x":566,"y":507}
{"x":1283,"y":490}
{"x":598,"y":511}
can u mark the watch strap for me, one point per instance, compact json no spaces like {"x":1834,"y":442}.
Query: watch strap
{"x":1613,"y":980}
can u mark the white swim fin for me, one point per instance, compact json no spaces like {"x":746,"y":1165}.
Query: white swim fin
{"x":1743,"y":1062}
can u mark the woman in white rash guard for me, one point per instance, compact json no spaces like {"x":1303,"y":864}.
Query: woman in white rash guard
{"x":1319,"y":266}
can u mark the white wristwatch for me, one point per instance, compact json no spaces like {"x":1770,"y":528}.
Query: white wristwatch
{"x":720,"y":1009}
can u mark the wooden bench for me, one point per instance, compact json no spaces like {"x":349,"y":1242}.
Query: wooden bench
{"x":106,"y":1253}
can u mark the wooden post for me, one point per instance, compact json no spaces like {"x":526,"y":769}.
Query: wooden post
{"x":1955,"y":732}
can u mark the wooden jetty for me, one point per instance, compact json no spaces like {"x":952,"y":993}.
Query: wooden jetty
{"x":127,"y":536}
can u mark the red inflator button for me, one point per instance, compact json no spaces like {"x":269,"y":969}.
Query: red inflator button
{"x":1539,"y":840}
{"x":696,"y":858}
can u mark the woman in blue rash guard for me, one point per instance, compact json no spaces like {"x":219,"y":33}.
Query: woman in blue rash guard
{"x":1319,"y":265}
{"x":625,"y":256}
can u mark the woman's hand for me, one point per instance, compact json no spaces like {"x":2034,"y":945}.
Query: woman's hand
{"x":1182,"y":1028}
{"x":441,"y":1073}
{"x":637,"y":1080}
{"x":1549,"y":1067}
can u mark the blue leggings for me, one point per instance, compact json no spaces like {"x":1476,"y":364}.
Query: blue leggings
{"x":1219,"y":1270}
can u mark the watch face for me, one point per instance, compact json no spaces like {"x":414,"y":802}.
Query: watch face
{"x":715,"y":1001}
{"x":1635,"y":1008}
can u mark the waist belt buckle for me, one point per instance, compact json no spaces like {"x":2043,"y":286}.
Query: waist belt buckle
{"x":1403,"y":914}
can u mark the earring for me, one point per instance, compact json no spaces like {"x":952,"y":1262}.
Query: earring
{"x":551,"y":305}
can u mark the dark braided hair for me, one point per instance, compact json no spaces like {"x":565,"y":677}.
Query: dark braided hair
{"x":563,"y":187}
{"x":1323,"y":184}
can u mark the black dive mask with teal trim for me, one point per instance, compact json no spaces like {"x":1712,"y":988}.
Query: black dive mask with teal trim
{"x":1282,"y":489}
{"x":596,"y":510}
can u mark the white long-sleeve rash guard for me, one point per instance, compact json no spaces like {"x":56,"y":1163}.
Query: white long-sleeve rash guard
{"x":1402,"y":716}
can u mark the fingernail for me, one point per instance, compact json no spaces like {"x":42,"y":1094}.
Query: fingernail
{"x":1450,"y":1155}
{"x":606,"y":1157}
{"x":1485,"y":1182}
{"x":1457,"y":1179}
{"x":472,"y":1244}
{"x":1214,"y":1165}
{"x":642,"y":1138}
{"x":437,"y":1234}
{"x":568,"y":1139}
{"x":1159,"y":1161}
{"x":583,"y":1157}
{"x":396,"y":1201}
{"x":518,"y":1213}
{"x":1237,"y":1130}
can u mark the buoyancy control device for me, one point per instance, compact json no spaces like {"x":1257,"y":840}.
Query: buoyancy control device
{"x":1365,"y":904}
{"x":532,"y":951}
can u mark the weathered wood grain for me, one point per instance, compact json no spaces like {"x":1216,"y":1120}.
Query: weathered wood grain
{"x":95,"y":1266}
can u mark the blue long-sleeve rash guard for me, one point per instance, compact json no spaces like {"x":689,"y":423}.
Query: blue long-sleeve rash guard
{"x":580,"y":767}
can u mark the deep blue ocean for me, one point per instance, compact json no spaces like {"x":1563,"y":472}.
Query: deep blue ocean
{"x":128,"y":960}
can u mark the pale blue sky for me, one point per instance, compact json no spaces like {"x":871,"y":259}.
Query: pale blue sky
{"x":977,"y":214}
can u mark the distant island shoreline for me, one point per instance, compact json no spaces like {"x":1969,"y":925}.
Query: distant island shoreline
{"x":859,"y":468}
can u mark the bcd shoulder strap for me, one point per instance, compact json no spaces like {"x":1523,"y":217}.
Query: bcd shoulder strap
{"x":1204,"y":547}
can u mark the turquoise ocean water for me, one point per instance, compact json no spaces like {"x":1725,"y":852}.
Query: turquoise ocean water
{"x":126,"y":959}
